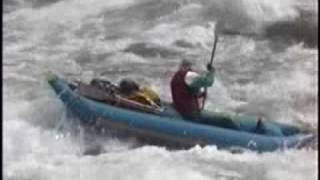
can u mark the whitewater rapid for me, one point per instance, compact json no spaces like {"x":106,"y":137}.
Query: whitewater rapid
{"x":266,"y":65}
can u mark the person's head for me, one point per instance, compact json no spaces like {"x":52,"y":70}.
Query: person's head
{"x":186,"y":64}
{"x":128,"y":86}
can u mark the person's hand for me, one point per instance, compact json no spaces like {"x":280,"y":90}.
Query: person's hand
{"x":210,"y":67}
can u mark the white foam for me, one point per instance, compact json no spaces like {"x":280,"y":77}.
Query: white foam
{"x":46,"y":39}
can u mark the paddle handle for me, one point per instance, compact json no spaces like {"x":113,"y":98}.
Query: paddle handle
{"x":214,"y":47}
{"x":210,"y":64}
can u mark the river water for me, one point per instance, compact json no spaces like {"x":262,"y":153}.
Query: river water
{"x":266,"y":63}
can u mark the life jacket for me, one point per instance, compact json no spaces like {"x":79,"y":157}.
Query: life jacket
{"x":145,"y":96}
{"x":184,"y":101}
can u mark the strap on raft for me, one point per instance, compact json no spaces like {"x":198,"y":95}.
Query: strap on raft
{"x":97,"y":94}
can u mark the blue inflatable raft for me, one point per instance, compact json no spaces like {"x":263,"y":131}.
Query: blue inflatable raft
{"x":169,"y":128}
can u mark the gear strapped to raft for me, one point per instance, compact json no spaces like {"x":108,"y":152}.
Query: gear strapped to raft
{"x":105,"y":85}
{"x":106,"y":92}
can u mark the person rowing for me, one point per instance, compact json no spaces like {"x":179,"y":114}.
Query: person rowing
{"x":189,"y":92}
{"x":187,"y":88}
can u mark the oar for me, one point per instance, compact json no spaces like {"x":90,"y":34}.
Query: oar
{"x":210,"y":63}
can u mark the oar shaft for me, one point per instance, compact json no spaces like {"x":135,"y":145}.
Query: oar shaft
{"x":211,"y":61}
{"x":214,"y":48}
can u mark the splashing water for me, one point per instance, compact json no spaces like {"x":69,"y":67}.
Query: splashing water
{"x":265,"y":65}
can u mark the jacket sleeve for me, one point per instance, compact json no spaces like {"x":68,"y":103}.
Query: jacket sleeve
{"x":204,"y":79}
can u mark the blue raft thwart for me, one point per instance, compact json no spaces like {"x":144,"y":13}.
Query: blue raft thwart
{"x":169,"y":127}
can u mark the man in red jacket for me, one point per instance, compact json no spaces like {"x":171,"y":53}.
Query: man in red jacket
{"x":187,"y":88}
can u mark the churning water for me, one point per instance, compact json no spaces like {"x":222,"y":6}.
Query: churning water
{"x":266,"y":63}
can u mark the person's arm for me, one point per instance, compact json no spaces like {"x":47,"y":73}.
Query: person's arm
{"x":197,"y":81}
